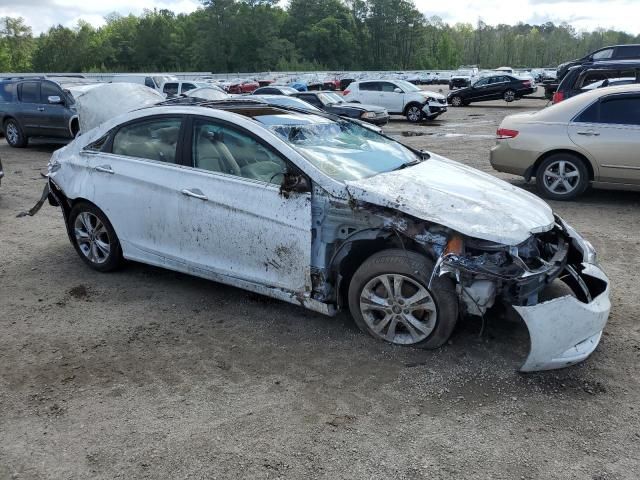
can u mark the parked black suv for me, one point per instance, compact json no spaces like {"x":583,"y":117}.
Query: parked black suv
{"x":615,"y":52}
{"x":494,"y":87}
{"x":579,"y":78}
{"x":332,"y":103}
{"x":37,"y":107}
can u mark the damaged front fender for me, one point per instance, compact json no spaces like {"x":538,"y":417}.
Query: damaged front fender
{"x":565,"y":331}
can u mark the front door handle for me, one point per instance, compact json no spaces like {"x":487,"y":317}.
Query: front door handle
{"x":195,"y":193}
{"x":104,"y":169}
{"x":41,"y":109}
{"x":589,"y":133}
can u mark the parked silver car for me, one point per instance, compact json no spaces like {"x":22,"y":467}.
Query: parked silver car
{"x":591,"y":139}
{"x":316,"y":210}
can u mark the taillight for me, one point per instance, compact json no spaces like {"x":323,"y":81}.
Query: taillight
{"x":557,"y":97}
{"x":504,"y":133}
{"x":346,"y":92}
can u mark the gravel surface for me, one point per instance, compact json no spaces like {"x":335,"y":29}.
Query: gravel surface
{"x":146,"y":373}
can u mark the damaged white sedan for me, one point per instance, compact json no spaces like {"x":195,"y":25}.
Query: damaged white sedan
{"x":318,"y":211}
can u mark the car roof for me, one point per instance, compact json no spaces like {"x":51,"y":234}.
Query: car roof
{"x":567,"y":109}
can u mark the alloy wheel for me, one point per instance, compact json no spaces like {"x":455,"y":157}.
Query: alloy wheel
{"x":92,"y":237}
{"x":414,"y":114}
{"x":12,"y":133}
{"x":398,"y":309}
{"x":561,"y":177}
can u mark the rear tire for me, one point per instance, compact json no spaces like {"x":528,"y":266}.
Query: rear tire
{"x":410,"y":313}
{"x":14,"y":134}
{"x":509,"y":96}
{"x":94,"y":238}
{"x":562,"y":176}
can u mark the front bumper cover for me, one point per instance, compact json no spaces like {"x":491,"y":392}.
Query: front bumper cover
{"x":565,"y":331}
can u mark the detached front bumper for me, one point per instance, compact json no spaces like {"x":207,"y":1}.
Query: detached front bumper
{"x":565,"y":331}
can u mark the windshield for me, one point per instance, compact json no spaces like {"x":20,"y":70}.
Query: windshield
{"x":343,"y":150}
{"x":328,"y":98}
{"x":407,"y":87}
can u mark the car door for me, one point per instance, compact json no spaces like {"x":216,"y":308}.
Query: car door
{"x":609,"y":130}
{"x":389,"y":98}
{"x":30,"y":109}
{"x":54,"y":113}
{"x":135,"y":178}
{"x":497,"y":87}
{"x":232,"y":218}
{"x":368,"y":92}
{"x":480,"y":90}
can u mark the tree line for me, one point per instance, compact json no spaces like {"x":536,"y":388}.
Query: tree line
{"x":261,"y":35}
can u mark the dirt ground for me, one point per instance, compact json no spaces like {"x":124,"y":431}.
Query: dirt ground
{"x":145,"y":373}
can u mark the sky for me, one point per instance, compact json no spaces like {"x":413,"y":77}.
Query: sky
{"x":582,"y":14}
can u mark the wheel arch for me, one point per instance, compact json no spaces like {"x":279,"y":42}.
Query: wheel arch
{"x":412,"y":103}
{"x":351,"y":254}
{"x":534,"y":168}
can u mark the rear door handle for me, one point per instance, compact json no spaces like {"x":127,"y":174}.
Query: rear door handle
{"x":41,"y":109}
{"x":195,"y":193}
{"x":104,"y":169}
{"x":589,"y":133}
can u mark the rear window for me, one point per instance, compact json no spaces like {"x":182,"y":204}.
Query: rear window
{"x":6,"y":92}
{"x":29,"y":92}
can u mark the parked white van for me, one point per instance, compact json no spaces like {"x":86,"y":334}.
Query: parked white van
{"x":152,"y":81}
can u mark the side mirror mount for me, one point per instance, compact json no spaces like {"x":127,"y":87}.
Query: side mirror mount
{"x":397,"y":90}
{"x":294,"y":183}
{"x":54,"y":99}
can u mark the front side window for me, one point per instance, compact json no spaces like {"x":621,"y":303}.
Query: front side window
{"x":603,"y":54}
{"x":482,"y":83}
{"x":6,"y":92}
{"x":341,"y":149}
{"x":312,"y":99}
{"x":621,"y":111}
{"x":388,"y":87}
{"x":148,"y":81}
{"x":218,"y":148}
{"x":29,"y":92}
{"x":155,"y":139}
{"x":49,"y":90}
{"x":187,"y":86}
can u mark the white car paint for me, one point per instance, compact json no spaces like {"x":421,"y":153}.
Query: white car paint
{"x":463,"y":198}
{"x":234,"y":230}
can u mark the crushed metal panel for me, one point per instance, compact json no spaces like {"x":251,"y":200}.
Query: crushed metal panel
{"x":565,"y":331}
{"x":462,"y":198}
{"x":109,"y":100}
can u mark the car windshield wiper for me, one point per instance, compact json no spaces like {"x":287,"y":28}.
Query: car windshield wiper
{"x":407,"y":164}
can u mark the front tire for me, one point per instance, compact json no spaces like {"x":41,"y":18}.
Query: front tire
{"x":389,"y":298}
{"x":414,"y":113}
{"x":562,"y":176}
{"x":456,"y":101}
{"x":14,"y":134}
{"x":94,"y":238}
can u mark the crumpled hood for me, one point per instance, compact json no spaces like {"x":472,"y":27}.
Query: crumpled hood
{"x":429,"y":93}
{"x":462,"y":198}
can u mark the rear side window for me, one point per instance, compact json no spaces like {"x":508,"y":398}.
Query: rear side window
{"x":628,"y":51}
{"x":29,"y":92}
{"x":6,"y":92}
{"x":187,"y":86}
{"x":170,"y":88}
{"x":370,"y":86}
{"x":620,"y":110}
{"x":590,"y":115}
{"x":151,"y":139}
